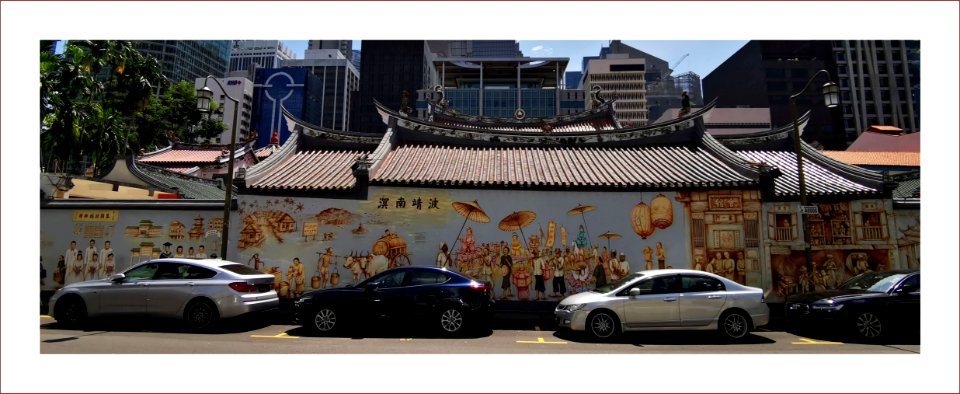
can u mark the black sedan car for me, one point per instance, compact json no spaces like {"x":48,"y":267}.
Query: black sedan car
{"x":442,"y":300}
{"x":869,"y":306}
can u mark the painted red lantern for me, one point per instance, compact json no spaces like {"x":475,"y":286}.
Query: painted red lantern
{"x":661,"y":211}
{"x":640,"y":220}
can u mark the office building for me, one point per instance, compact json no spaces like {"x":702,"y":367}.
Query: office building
{"x":297,"y":90}
{"x":389,"y":68}
{"x":240,"y":89}
{"x":344,"y":46}
{"x":879,"y":84}
{"x":356,"y":59}
{"x":485,"y":48}
{"x":187,"y":60}
{"x":571,"y":79}
{"x":764,"y":74}
{"x":622,"y":79}
{"x":339,"y":82}
{"x":262,"y":53}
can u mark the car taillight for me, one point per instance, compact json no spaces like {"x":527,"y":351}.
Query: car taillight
{"x":243,"y":287}
{"x":481,"y":287}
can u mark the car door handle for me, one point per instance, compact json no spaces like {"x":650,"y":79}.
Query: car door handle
{"x":670,"y":299}
{"x":190,"y":283}
{"x":713,"y":297}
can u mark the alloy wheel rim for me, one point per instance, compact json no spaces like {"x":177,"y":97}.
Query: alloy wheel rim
{"x":325,"y":320}
{"x":200,"y":315}
{"x":451,"y":320}
{"x":736,"y":325}
{"x":869,"y":325}
{"x":602,"y":325}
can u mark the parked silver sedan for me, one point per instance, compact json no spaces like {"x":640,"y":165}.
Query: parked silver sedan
{"x":198,"y":291}
{"x":671,"y":299}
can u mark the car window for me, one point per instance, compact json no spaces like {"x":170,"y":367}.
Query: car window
{"x":194,"y":272}
{"x":167,"y":271}
{"x":692,"y":284}
{"x":656,"y":285}
{"x":912,"y":284}
{"x":142,"y":272}
{"x":417,"y":278}
{"x":392,"y":279}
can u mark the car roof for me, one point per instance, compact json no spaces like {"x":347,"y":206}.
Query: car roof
{"x":210,"y":263}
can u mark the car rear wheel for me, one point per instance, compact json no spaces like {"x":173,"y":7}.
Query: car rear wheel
{"x":201,"y":315}
{"x":734,"y":325}
{"x":71,"y":312}
{"x":868,"y":326}
{"x":603,"y":325}
{"x":451,"y":320}
{"x":324,"y":320}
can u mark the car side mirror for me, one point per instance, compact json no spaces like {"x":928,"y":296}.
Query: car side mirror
{"x":907,"y":290}
{"x":372,"y":286}
{"x":116,"y":278}
{"x":634,"y":291}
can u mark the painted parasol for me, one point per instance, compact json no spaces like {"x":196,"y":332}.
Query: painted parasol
{"x":517,"y":221}
{"x":608,"y":235}
{"x":580,"y":209}
{"x":470,"y":211}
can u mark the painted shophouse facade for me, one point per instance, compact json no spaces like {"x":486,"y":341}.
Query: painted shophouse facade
{"x":506,"y":200}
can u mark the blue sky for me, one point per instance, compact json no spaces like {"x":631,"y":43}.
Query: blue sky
{"x":704,"y":55}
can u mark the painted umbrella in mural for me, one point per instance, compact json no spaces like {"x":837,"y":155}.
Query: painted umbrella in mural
{"x":470,"y":211}
{"x":608,"y":235}
{"x":580,"y":209}
{"x":517,"y":221}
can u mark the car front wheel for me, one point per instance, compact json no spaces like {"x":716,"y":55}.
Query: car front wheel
{"x":603,"y":325}
{"x":734,"y":325}
{"x":71,"y":312}
{"x":324,"y":320}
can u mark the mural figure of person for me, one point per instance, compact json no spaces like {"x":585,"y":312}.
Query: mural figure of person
{"x":92,"y":270}
{"x":599,"y":275}
{"x":109,"y":267}
{"x":443,"y":256}
{"x":862,"y":265}
{"x":166,"y":250}
{"x":559,"y":286}
{"x":661,"y":256}
{"x":698,"y":263}
{"x":257,"y":263}
{"x":619,"y":268}
{"x":179,"y":252}
{"x":830,"y":265}
{"x":75,"y":269}
{"x":91,"y":250}
{"x":202,"y":252}
{"x":323,"y":265}
{"x":516,"y":248}
{"x":580,"y":279}
{"x":803,"y":280}
{"x":61,"y":272}
{"x":71,"y":254}
{"x":581,"y":240}
{"x":647,"y":258}
{"x":741,"y":268}
{"x":506,"y":267}
{"x":106,"y":251}
{"x":538,"y":285}
{"x":522,"y":279}
{"x":191,"y":254}
{"x":715,"y":266}
{"x":468,"y":243}
{"x":299,"y":278}
{"x":728,"y":267}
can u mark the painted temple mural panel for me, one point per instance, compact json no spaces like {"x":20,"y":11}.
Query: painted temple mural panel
{"x":529,"y":245}
{"x":84,"y":244}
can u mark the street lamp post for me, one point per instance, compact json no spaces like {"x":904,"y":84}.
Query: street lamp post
{"x":831,"y":97}
{"x":204,"y":95}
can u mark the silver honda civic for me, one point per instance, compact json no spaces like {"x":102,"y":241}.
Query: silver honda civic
{"x":670,"y":299}
{"x":198,"y":291}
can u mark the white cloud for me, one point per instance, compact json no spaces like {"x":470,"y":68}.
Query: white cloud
{"x":541,"y":50}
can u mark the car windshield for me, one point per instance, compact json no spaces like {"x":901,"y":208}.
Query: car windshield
{"x":240,"y":269}
{"x":621,"y":282}
{"x":873,"y":281}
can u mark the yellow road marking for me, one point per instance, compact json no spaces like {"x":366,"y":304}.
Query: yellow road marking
{"x":46,"y":316}
{"x":280,"y":335}
{"x":812,"y":342}
{"x":406,"y":339}
{"x":540,"y":340}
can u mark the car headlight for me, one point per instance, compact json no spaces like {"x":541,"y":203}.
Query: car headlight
{"x":828,"y":306}
{"x":572,"y":307}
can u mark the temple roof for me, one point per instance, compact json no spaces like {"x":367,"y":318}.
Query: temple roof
{"x":189,"y":187}
{"x":885,"y":159}
{"x":180,"y":154}
{"x":871,"y":141}
{"x":602,"y":118}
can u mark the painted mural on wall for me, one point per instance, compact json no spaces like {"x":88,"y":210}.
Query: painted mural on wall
{"x":85,"y":244}
{"x":908,"y":238}
{"x":528,"y":245}
{"x":830,"y":268}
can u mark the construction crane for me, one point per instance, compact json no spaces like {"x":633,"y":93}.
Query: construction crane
{"x":677,"y":63}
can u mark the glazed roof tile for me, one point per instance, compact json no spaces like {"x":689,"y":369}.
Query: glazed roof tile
{"x":311,"y":170}
{"x":673,"y":166}
{"x":210,"y":156}
{"x":190,"y":187}
{"x":819,"y":179}
{"x":871,"y":141}
{"x":903,"y":159}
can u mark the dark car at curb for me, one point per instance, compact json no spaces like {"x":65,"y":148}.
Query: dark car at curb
{"x":434,"y":298}
{"x":870,"y":306}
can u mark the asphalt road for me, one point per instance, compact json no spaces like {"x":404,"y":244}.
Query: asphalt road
{"x":262,"y":337}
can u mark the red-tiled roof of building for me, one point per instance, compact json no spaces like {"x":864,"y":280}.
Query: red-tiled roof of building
{"x":312,"y":170}
{"x":871,"y":141}
{"x":904,"y":159}
{"x":185,"y":156}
